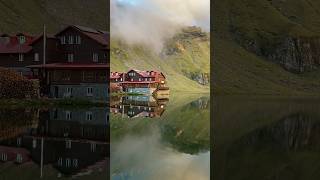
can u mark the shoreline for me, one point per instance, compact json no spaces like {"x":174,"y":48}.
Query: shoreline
{"x":77,"y":103}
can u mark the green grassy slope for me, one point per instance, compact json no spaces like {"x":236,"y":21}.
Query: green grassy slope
{"x":266,"y":23}
{"x":29,"y":16}
{"x":189,"y":55}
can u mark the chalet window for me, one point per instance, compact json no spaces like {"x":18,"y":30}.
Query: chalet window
{"x":63,"y":40}
{"x":75,"y":162}
{"x":69,"y":91}
{"x":19,"y":158}
{"x":21,"y":57}
{"x":68,"y":144}
{"x":70,"y":39}
{"x":131,"y":74}
{"x":78,"y":40}
{"x":66,"y":76}
{"x":18,"y":141}
{"x":22,"y":39}
{"x":88,"y":76}
{"x":120,"y":79}
{"x":93,"y":147}
{"x":95,"y":57}
{"x":68,"y":115}
{"x":36,"y":56}
{"x":89,"y":91}
{"x":4,"y":157}
{"x":60,"y":162}
{"x":70,"y":57}
{"x":68,"y":162}
{"x":34,"y":143}
{"x":88,"y":116}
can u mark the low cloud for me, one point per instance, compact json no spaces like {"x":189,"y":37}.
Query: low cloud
{"x":151,"y":22}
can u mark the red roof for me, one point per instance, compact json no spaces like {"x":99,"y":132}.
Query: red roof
{"x":70,"y":66}
{"x":12,"y":45}
{"x":14,"y":49}
{"x":115,"y":75}
{"x":148,"y":73}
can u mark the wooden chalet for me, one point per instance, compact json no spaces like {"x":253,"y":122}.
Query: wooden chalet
{"x":15,"y":52}
{"x":135,"y":81}
{"x":116,"y":77}
{"x":74,"y":62}
{"x":78,"y":66}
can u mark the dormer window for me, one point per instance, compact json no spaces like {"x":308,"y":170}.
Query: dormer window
{"x":22,"y":39}
{"x":70,"y":39}
{"x":78,"y":40}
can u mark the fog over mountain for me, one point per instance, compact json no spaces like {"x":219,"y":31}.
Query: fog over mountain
{"x":151,"y":22}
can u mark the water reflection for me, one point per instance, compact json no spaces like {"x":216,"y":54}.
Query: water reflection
{"x":138,"y":106}
{"x":172,"y":144}
{"x":55,"y":142}
{"x":268,"y":138}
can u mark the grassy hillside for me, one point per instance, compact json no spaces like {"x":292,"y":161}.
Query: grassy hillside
{"x":183,"y":56}
{"x":241,"y":25}
{"x":29,"y":16}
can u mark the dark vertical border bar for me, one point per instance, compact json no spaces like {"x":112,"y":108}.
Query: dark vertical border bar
{"x":108,"y":76}
{"x":211,"y":89}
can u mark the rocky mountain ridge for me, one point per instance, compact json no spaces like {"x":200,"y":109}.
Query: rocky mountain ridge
{"x":266,"y":46}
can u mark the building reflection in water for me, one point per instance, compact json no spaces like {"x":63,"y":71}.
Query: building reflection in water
{"x":138,"y":106}
{"x":73,"y":141}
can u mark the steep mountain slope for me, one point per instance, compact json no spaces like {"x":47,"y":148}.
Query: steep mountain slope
{"x":266,"y":46}
{"x":185,"y":59}
{"x":29,"y":16}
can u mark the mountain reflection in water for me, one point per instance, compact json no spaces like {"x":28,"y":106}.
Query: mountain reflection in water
{"x":160,"y":139}
{"x":261,"y":138}
{"x":54,"y":143}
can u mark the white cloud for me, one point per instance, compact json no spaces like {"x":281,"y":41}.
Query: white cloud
{"x":151,"y":22}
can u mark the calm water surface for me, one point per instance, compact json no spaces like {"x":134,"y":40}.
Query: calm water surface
{"x":150,"y":139}
{"x":266,"y":138}
{"x":54,"y":143}
{"x":160,"y":139}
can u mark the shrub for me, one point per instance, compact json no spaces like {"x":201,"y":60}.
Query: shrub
{"x":13,"y":85}
{"x":114,"y":88}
